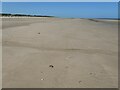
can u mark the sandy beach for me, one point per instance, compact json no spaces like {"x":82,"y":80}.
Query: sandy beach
{"x":0,"y":53}
{"x":59,"y":53}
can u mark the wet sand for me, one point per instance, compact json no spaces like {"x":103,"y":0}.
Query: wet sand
{"x":59,"y":53}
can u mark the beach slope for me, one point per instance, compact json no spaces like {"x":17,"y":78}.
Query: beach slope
{"x":59,"y":53}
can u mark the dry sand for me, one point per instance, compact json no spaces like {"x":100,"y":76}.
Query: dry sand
{"x":59,"y":53}
{"x":0,"y":53}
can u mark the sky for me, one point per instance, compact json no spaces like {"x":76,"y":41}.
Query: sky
{"x":60,"y":0}
{"x":64,"y":9}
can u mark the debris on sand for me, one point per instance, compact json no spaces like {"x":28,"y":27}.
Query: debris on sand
{"x":90,"y":73}
{"x":41,"y":72}
{"x":51,"y":66}
{"x":39,"y":33}
{"x":79,"y":81}
{"x":42,"y":79}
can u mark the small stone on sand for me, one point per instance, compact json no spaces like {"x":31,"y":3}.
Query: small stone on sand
{"x":42,"y":79}
{"x":51,"y":66}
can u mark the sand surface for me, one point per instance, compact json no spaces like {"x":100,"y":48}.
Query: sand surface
{"x":59,"y":53}
{"x":0,"y":53}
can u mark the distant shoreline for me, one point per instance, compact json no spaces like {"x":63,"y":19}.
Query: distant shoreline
{"x":22,"y":15}
{"x":25,"y":15}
